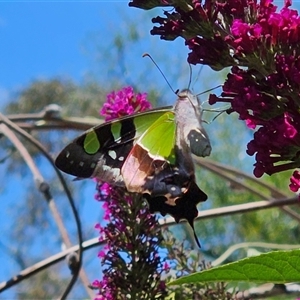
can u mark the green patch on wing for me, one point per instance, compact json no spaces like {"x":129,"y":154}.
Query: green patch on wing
{"x":159,"y":138}
{"x":91,"y":143}
{"x":116,"y":130}
{"x":142,"y":122}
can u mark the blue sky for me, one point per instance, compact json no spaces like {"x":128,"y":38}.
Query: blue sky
{"x":51,"y":38}
{"x":43,"y":39}
{"x":46,"y":39}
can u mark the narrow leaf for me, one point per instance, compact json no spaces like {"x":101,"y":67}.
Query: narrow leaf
{"x":275,"y":267}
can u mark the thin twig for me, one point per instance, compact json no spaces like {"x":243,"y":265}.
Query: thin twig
{"x":44,"y":188}
{"x":231,"y":174}
{"x":28,"y":272}
{"x":236,"y":209}
{"x":211,"y":213}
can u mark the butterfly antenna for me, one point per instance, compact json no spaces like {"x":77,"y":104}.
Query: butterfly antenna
{"x":220,"y":112}
{"x":198,"y":74}
{"x":161,"y":72}
{"x":220,"y":85}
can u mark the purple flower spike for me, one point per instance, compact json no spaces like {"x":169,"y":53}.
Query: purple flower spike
{"x":131,"y":232}
{"x":261,"y":44}
{"x":295,"y":182}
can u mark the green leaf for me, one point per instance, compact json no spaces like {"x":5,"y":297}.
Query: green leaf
{"x":275,"y":267}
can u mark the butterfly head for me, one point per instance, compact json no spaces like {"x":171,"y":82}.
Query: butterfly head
{"x":194,"y":101}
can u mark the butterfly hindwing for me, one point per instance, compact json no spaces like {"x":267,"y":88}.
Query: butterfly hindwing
{"x":185,"y":208}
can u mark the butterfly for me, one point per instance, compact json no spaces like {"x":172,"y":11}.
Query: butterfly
{"x":148,"y":153}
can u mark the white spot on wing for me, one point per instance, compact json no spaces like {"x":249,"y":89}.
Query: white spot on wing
{"x":112,"y":154}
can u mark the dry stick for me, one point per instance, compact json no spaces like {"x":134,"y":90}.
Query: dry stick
{"x":53,"y":122}
{"x":274,"y":191}
{"x":45,"y":189}
{"x":211,"y":213}
{"x":215,"y":167}
{"x":41,"y":184}
{"x":26,"y":273}
{"x":223,"y":171}
{"x":56,"y":122}
{"x":266,"y":291}
{"x":38,"y":179}
{"x":236,"y":209}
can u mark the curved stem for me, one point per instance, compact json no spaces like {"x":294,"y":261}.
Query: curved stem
{"x":45,"y":189}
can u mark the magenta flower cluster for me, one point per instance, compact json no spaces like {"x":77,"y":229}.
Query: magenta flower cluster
{"x":261,"y":45}
{"x":131,"y":261}
{"x":123,"y":103}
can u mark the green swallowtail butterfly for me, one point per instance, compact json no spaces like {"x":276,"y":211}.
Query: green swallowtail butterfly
{"x":148,"y":153}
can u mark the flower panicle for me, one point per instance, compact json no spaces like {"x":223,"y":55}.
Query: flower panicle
{"x":131,"y":260}
{"x":131,"y":254}
{"x":261,"y":45}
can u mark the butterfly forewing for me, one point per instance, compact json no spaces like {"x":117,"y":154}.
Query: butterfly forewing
{"x":101,"y":151}
{"x":159,"y":138}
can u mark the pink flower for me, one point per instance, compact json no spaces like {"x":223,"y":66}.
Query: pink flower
{"x":103,"y":252}
{"x":295,"y":182}
{"x":123,"y":103}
